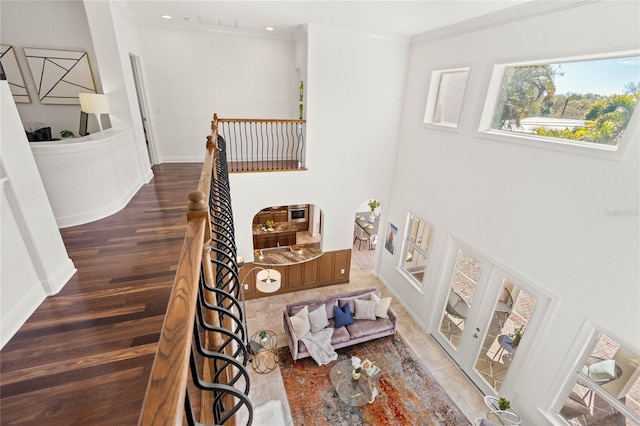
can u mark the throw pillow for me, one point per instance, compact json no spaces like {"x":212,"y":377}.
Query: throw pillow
{"x":365,"y":309}
{"x":603,"y":370}
{"x":300,"y":323}
{"x":382,"y":306}
{"x":318,"y":319}
{"x":342,"y":315}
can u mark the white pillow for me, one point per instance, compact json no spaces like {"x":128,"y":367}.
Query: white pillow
{"x":382,"y":306}
{"x":318,"y":319}
{"x":364,"y":309}
{"x":300,"y":323}
{"x":603,"y":370}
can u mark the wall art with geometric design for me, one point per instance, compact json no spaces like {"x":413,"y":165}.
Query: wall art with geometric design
{"x":10,"y":71}
{"x":59,"y":75}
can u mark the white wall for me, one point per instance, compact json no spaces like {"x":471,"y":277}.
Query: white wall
{"x":33,"y":260}
{"x":539,"y":212}
{"x":353,"y":106}
{"x":60,"y":25}
{"x":192,"y":74}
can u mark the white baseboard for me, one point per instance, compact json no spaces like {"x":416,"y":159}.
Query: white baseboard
{"x":11,"y":323}
{"x":102,"y":212}
{"x":59,"y":279}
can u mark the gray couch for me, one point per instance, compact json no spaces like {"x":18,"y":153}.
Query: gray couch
{"x":359,"y":331}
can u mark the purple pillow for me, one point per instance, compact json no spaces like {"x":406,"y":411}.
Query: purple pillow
{"x":342,"y":316}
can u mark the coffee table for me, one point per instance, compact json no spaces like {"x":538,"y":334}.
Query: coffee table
{"x":362,"y":391}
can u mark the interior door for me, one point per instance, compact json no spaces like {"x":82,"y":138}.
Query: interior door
{"x":142,"y":106}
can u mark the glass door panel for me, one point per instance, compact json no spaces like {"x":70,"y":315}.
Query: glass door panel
{"x":512,"y":312}
{"x":462,"y":289}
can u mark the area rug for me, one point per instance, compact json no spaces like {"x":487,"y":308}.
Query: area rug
{"x":410,"y":396}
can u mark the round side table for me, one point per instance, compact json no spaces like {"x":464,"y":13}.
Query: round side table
{"x":263,"y":346}
{"x":506,"y":417}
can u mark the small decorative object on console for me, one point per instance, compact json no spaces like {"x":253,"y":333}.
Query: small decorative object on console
{"x":355,"y":362}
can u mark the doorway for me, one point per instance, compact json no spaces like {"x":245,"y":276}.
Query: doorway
{"x":489,"y":317}
{"x":142,"y":107}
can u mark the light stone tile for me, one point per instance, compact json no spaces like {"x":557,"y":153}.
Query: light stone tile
{"x":266,"y":313}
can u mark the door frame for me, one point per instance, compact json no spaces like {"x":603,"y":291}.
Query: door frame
{"x":481,"y":312}
{"x":141,"y":97}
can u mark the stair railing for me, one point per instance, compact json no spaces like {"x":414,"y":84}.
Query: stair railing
{"x":261,"y":145}
{"x":199,"y":373}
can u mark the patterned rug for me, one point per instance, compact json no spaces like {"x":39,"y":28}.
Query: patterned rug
{"x":411,"y":396}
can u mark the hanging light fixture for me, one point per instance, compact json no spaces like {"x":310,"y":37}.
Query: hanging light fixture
{"x":268,"y":281}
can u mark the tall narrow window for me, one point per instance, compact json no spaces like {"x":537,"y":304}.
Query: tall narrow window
{"x":446,"y":94}
{"x":417,"y":249}
{"x":607,"y":387}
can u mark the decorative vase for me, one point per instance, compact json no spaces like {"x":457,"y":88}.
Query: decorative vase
{"x":372,"y":217}
{"x":355,"y":375}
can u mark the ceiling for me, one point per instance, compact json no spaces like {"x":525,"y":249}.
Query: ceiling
{"x":390,"y":18}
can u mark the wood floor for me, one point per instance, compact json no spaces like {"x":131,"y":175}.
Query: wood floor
{"x":84,"y":357}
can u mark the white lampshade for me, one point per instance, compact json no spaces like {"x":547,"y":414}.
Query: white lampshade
{"x":94,"y":103}
{"x":268,"y":280}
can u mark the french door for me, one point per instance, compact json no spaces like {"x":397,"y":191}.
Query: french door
{"x":482,"y":310}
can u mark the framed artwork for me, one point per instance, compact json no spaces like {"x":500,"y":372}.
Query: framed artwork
{"x":10,"y":71}
{"x":390,"y":241}
{"x":59,"y":75}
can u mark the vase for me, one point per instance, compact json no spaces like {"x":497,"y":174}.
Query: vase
{"x":372,"y":217}
{"x":355,"y":375}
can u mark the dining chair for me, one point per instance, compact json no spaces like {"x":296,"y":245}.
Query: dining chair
{"x":504,"y":307}
{"x":361,"y":236}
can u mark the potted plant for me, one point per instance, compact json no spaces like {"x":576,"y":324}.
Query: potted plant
{"x":357,"y":365}
{"x":263,"y":336}
{"x":269,"y":224}
{"x":67,"y":134}
{"x":516,"y":336}
{"x":373,"y":205}
{"x":504,"y":404}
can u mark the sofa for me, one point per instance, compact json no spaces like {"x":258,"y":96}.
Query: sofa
{"x":361,"y":330}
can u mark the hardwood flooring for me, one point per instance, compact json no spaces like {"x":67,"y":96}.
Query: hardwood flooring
{"x":84,"y":357}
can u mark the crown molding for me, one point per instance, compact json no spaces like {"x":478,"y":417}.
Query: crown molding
{"x":503,"y":17}
{"x":355,"y":34}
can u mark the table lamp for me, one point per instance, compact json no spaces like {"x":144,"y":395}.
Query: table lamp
{"x":94,"y":103}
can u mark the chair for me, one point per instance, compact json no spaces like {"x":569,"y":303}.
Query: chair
{"x":360,"y":235}
{"x":456,"y":308}
{"x":574,"y":406}
{"x":504,"y":306}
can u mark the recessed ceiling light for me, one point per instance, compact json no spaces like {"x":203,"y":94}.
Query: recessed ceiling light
{"x":269,"y":28}
{"x":166,"y":17}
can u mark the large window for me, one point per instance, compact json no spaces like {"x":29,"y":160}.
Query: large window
{"x":446,"y":94}
{"x":417,"y":249}
{"x":607,"y":387}
{"x":586,"y":103}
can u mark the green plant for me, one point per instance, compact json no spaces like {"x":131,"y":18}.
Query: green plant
{"x":67,"y":134}
{"x":374,"y":204}
{"x":517,"y":336}
{"x":263,"y":335}
{"x":504,"y":404}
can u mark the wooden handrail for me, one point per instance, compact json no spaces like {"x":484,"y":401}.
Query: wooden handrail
{"x":164,"y":400}
{"x":260,"y":120}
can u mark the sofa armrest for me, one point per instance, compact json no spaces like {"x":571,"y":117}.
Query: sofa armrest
{"x":291,"y":335}
{"x":393,"y":317}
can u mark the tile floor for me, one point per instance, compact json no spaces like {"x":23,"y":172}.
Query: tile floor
{"x":266,"y":313}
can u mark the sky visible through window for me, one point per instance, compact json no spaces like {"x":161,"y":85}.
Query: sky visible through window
{"x":612,"y":75}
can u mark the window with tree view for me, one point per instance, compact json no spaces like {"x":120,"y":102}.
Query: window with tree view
{"x":586,"y":102}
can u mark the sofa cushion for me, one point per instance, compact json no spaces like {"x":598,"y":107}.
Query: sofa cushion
{"x":340,"y":334}
{"x":382,"y":305}
{"x":365,"y":309}
{"x":318,"y":319}
{"x":342,"y":316}
{"x":300,"y":323}
{"x":362,"y":328}
{"x":330,"y":303}
{"x":350,"y":300}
